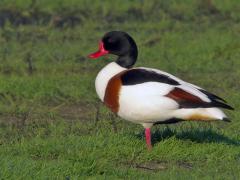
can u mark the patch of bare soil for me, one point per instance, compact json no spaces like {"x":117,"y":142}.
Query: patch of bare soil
{"x":152,"y":166}
{"x":79,"y":111}
{"x":185,"y":165}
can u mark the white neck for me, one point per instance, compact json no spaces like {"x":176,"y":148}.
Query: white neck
{"x":104,"y":76}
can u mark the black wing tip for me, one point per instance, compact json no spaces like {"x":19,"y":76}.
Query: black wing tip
{"x":212,"y":96}
{"x":218,"y":101}
{"x":226,"y":120}
{"x":226,"y":106}
{"x":221,"y":105}
{"x":231,"y":108}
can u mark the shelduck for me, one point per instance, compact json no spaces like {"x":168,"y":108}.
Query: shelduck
{"x":149,"y":96}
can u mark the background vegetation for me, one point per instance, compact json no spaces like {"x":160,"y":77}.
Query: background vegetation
{"x":51,"y":122}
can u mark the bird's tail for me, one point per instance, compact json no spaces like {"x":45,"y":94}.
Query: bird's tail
{"x":201,"y":114}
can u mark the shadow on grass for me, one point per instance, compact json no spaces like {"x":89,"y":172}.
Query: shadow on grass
{"x":194,"y":135}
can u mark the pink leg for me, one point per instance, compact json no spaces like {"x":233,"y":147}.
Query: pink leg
{"x":148,"y":138}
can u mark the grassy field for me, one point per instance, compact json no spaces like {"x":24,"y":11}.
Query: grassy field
{"x":52,"y":125}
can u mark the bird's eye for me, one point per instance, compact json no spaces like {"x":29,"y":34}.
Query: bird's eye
{"x":110,"y":40}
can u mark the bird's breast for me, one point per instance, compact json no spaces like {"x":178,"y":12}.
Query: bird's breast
{"x":103,"y":78}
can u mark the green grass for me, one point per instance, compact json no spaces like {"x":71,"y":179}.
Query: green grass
{"x":49,"y":125}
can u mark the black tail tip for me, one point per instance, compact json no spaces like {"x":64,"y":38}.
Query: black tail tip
{"x":226,"y":119}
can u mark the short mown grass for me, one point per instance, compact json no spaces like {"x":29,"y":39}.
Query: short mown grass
{"x":52,"y":124}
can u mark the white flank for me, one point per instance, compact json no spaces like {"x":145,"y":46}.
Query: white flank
{"x":143,"y":103}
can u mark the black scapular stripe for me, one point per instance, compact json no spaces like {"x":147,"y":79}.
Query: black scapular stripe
{"x":138,"y":76}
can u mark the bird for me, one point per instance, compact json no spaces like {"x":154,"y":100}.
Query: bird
{"x":149,"y":96}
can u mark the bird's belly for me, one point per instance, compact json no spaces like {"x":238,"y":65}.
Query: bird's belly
{"x":146,"y":110}
{"x":143,"y":117}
